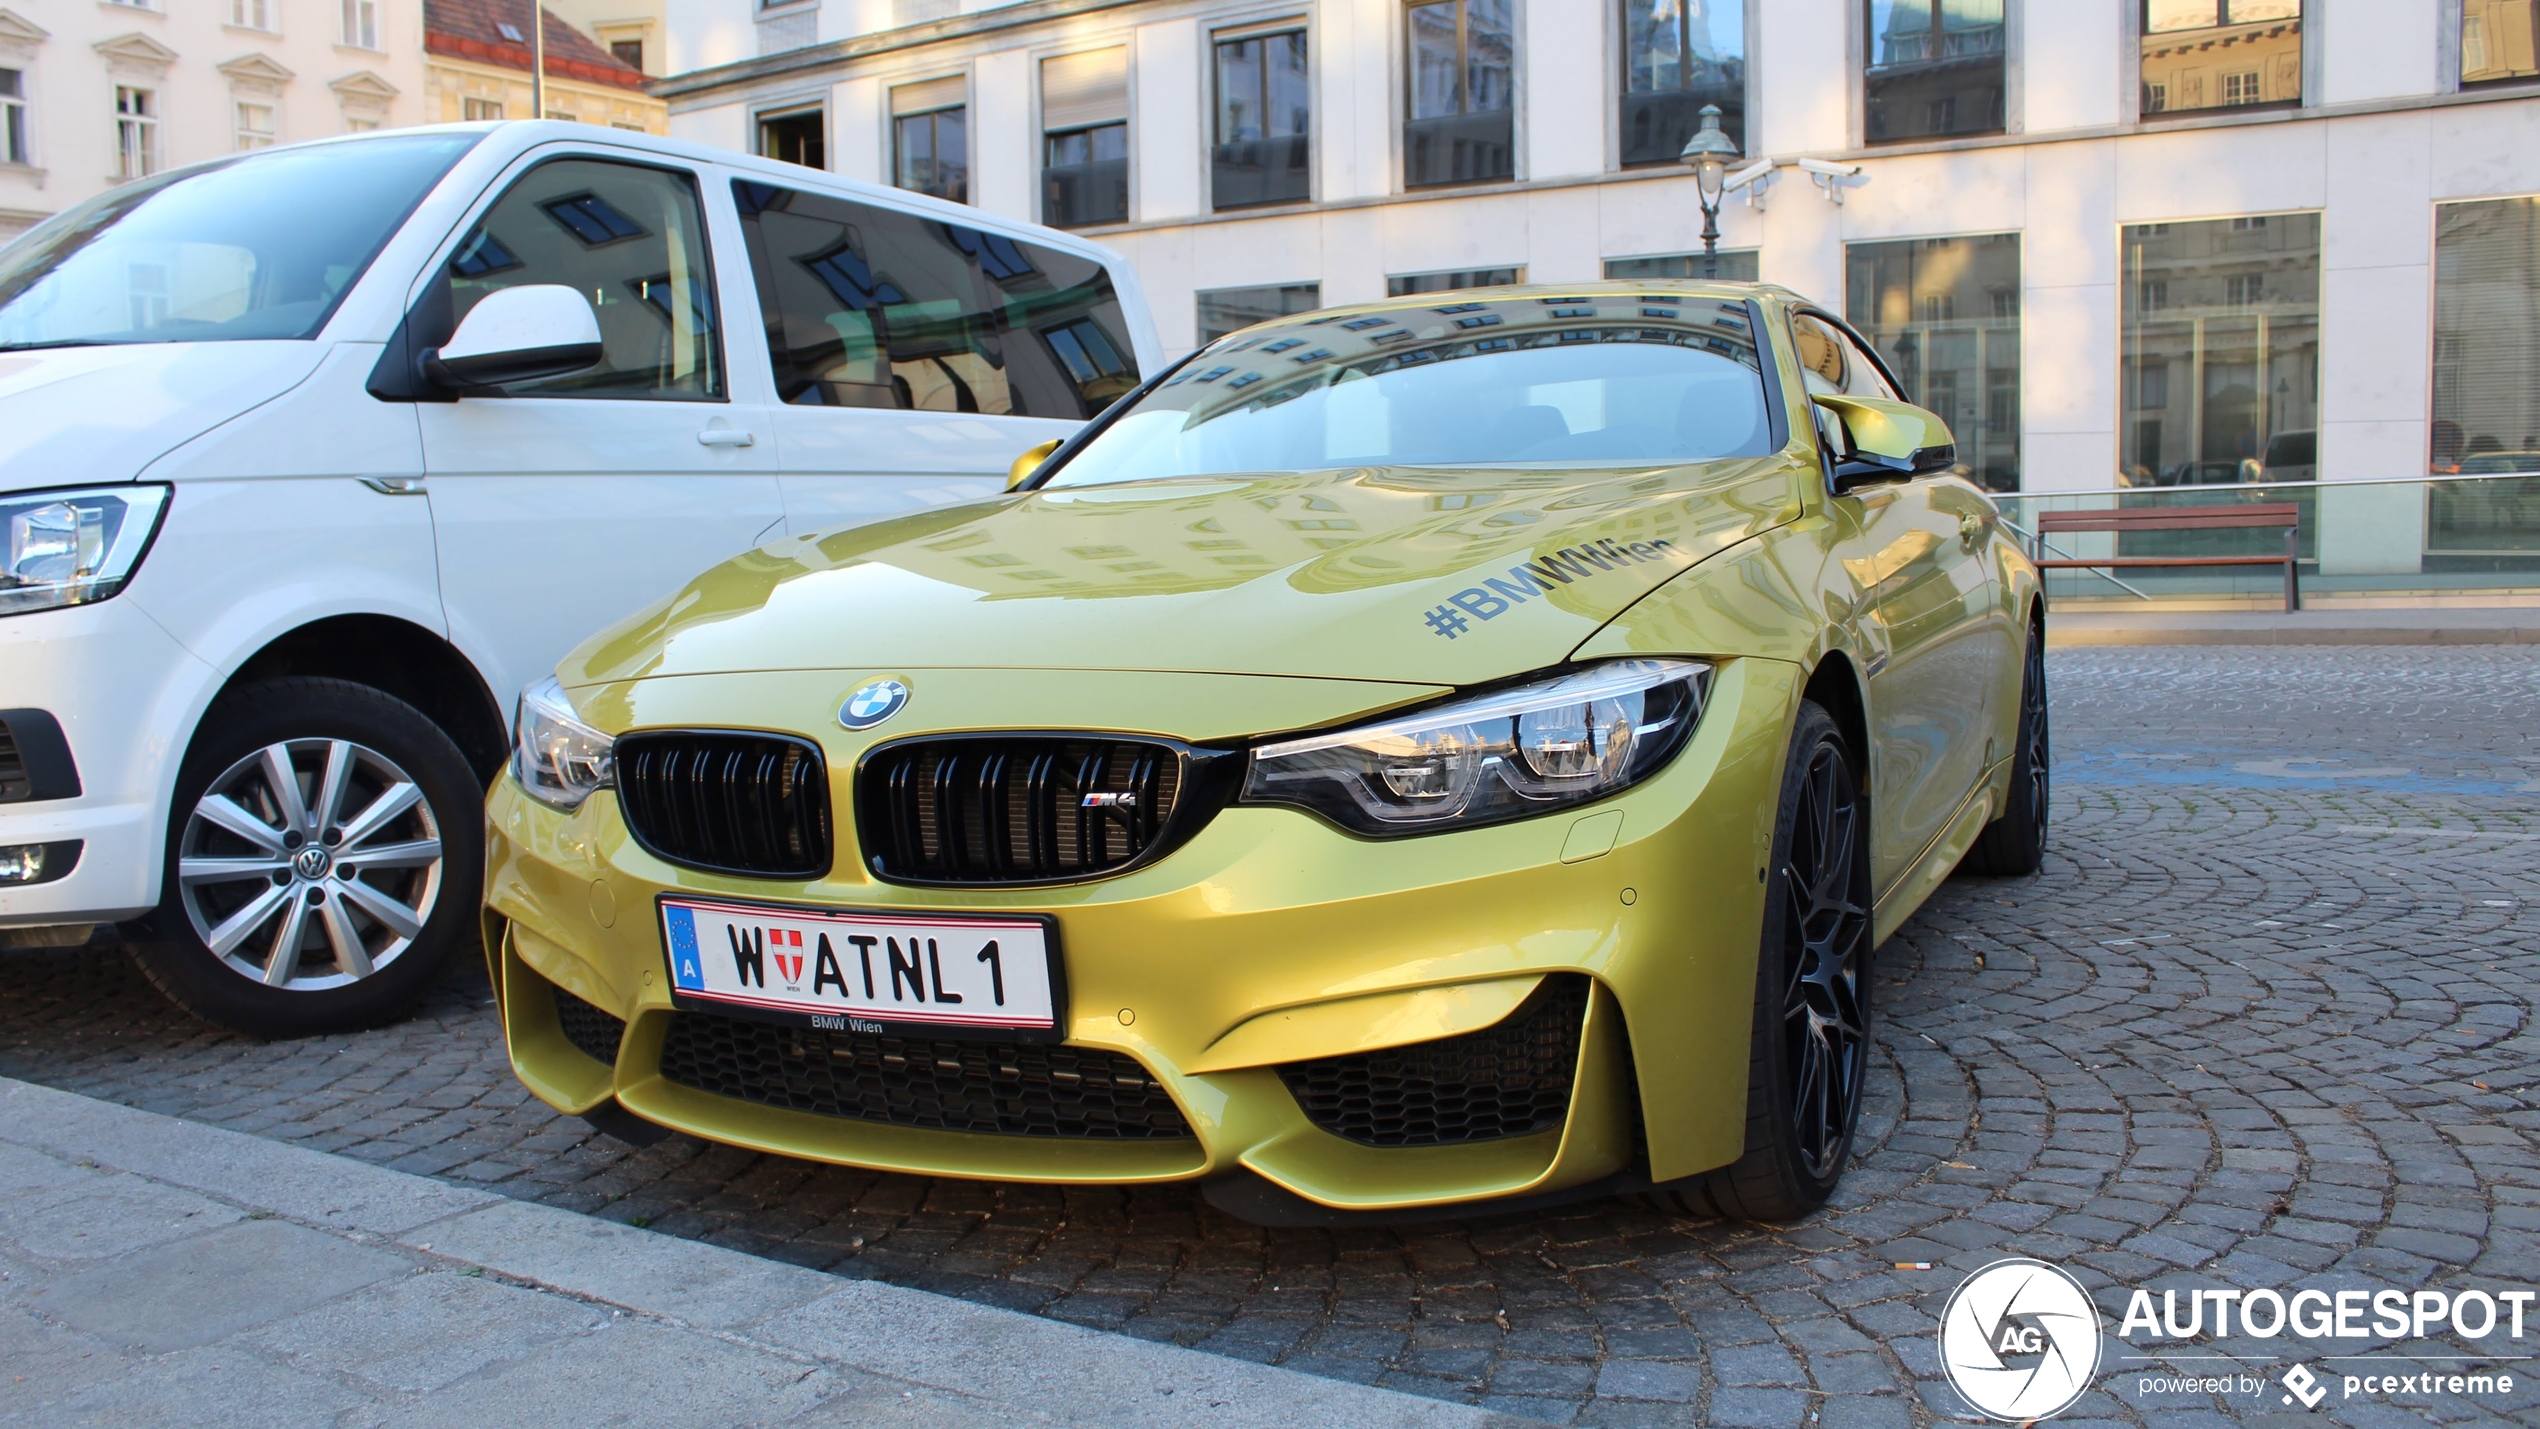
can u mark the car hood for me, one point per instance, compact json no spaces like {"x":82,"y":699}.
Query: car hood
{"x":72,"y":415}
{"x":1443,"y":577}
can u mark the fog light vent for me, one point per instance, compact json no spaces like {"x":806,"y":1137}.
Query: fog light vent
{"x":22,"y":864}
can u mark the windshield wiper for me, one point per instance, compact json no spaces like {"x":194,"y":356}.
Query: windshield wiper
{"x":57,"y":342}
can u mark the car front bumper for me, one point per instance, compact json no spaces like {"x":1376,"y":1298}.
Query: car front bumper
{"x":1269,"y":939}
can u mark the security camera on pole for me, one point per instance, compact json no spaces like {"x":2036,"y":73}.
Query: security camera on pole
{"x":1708,"y":154}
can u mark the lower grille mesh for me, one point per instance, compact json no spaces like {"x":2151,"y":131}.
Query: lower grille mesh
{"x":14,"y":785}
{"x":1509,"y":1079}
{"x":593,"y":1032}
{"x":1014,"y":1089}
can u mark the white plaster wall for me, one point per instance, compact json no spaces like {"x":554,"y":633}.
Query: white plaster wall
{"x":860,"y":129}
{"x":699,"y":34}
{"x":1003,"y":132}
{"x":724,"y":126}
{"x":2068,"y":319}
{"x":2072,"y":63}
{"x":1561,"y":114}
{"x":1802,"y":43}
{"x":2377,"y":49}
{"x":1168,"y":110}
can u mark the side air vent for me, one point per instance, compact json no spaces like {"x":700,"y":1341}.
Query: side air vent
{"x":727,"y":801}
{"x":1509,"y":1079}
{"x":1005,"y":809}
{"x":592,"y":1032}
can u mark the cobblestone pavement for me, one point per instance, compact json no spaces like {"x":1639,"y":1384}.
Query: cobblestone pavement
{"x":2263,"y":1020}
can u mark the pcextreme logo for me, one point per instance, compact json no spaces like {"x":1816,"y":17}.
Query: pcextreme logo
{"x":2020,"y":1340}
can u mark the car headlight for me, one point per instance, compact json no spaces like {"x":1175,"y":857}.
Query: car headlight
{"x":1504,"y":754}
{"x":73,"y":547}
{"x":559,"y":760}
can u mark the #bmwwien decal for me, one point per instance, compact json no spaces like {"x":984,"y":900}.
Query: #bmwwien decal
{"x":1494,"y":598}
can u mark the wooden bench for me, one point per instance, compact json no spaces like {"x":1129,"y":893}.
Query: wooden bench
{"x":2181,"y":518}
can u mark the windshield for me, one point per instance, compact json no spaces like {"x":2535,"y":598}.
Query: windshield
{"x":257,"y":247}
{"x":1613,"y":379}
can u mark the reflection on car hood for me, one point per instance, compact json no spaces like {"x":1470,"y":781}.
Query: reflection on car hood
{"x":76,"y":415}
{"x":1434,"y":576}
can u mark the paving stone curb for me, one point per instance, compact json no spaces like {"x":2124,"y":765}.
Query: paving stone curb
{"x":361,"y":1224}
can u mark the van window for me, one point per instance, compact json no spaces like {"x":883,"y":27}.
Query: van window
{"x":870,"y":307}
{"x":629,"y":238}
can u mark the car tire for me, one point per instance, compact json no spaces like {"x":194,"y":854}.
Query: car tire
{"x":2014,"y":845}
{"x":1809,"y":1054}
{"x":361,"y":879}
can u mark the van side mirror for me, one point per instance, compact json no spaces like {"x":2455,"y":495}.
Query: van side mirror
{"x":1028,"y":463}
{"x":1884,"y":440}
{"x":517,"y":335}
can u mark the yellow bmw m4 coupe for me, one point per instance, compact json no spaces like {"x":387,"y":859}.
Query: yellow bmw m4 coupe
{"x":1461,"y":751}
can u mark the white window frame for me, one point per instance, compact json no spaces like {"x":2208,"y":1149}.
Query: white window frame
{"x":360,"y":20}
{"x":18,"y":107}
{"x":253,"y":15}
{"x":243,"y":138}
{"x":471,"y":102}
{"x":136,"y":132}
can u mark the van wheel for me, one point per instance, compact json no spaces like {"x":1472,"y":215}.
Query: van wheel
{"x":325,"y":853}
{"x":2014,"y":845}
{"x":1808,"y":1060}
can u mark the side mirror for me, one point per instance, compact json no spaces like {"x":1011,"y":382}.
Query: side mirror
{"x":1029,"y":463}
{"x":1886,"y":440}
{"x":517,"y":335}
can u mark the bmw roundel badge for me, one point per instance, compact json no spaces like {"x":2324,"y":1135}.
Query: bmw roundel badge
{"x":873,"y":702}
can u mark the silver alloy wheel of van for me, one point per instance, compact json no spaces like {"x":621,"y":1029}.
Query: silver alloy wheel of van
{"x":310,"y":864}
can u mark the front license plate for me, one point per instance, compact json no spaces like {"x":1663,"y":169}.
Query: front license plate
{"x":865,"y":971}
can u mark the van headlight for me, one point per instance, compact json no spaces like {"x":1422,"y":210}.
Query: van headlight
{"x":73,"y":547}
{"x":1505,"y":754}
{"x":559,"y":760}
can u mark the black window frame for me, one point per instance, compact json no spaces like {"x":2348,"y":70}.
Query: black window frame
{"x":1232,"y":160}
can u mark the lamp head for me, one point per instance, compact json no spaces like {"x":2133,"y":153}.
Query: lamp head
{"x":1708,"y":153}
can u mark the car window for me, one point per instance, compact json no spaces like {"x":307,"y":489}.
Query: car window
{"x":630,"y":238}
{"x":1831,"y":364}
{"x":263,"y":246}
{"x":871,"y":307}
{"x":1604,"y":380}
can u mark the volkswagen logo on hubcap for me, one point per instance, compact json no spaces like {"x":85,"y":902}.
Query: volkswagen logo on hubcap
{"x":872,"y":703}
{"x":311,"y":862}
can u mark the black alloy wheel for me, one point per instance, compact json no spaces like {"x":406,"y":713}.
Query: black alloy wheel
{"x":1809,"y":1061}
{"x":2014,"y":845}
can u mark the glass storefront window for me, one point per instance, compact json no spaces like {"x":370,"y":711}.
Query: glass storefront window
{"x":1737,"y":265}
{"x":2498,"y":40}
{"x":1229,"y":310}
{"x":1936,"y":69}
{"x":2486,"y":337}
{"x":1463,"y":92}
{"x":2219,"y":351}
{"x":1945,"y":314}
{"x":2221,"y":54}
{"x":1679,"y":55}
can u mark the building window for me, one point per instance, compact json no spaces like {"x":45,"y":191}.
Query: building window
{"x":930,"y":138}
{"x":1463,"y":92}
{"x":136,"y":132}
{"x":360,"y":126}
{"x":479,"y":110}
{"x":630,"y":53}
{"x":800,"y":137}
{"x":251,"y":14}
{"x":2498,"y":40}
{"x":255,"y":126}
{"x":2219,"y":348}
{"x":1264,"y":108}
{"x":1679,"y":55}
{"x":361,"y":24}
{"x":1936,"y":69}
{"x":1085,"y":138}
{"x":1945,"y":313}
{"x":1737,"y":265}
{"x":1227,"y":310}
{"x":13,"y":141}
{"x":2486,"y":307}
{"x":2222,"y":54}
{"x":1405,"y":284}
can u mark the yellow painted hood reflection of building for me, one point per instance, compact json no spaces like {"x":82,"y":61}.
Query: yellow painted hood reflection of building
{"x":1445,"y":577}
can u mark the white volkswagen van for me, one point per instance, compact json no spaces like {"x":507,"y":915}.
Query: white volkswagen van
{"x":312,"y":458}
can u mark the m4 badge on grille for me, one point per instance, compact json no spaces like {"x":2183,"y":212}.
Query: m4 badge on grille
{"x":873,"y":702}
{"x":1111,"y":799}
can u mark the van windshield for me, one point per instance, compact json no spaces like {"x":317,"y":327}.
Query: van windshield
{"x":262,"y":246}
{"x":1605,"y":378}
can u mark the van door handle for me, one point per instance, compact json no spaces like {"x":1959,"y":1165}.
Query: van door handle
{"x":725,"y":437}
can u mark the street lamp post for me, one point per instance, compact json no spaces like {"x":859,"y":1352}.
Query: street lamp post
{"x":1708,"y":154}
